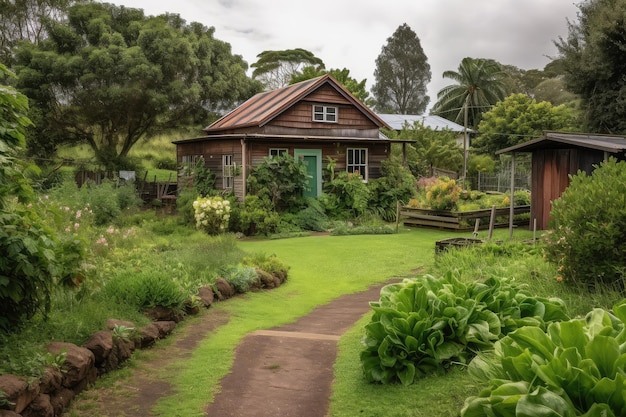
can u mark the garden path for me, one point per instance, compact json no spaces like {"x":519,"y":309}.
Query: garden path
{"x":285,"y":371}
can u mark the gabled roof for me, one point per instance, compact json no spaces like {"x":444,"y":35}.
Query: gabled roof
{"x":263,"y":107}
{"x":397,"y":121}
{"x":551,"y":140}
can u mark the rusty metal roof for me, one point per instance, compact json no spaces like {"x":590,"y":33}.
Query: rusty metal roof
{"x":549,"y":140}
{"x":263,"y":107}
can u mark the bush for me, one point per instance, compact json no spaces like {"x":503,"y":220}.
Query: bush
{"x":184,"y":205}
{"x":443,"y":194}
{"x":280,"y":180}
{"x":575,"y":368}
{"x":257,"y":216}
{"x":212,"y":214}
{"x":588,"y":227}
{"x":144,"y":289}
{"x":346,"y":196}
{"x":240,"y":277}
{"x":396,"y":184}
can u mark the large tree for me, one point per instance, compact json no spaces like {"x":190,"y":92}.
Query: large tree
{"x":402,"y":74}
{"x":25,"y":20}
{"x":593,"y":57}
{"x":517,"y":119}
{"x":275,"y":69}
{"x":357,"y":88}
{"x":478,"y":85}
{"x":111,"y":76}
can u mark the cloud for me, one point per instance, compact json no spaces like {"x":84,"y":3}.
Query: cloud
{"x":350,"y":34}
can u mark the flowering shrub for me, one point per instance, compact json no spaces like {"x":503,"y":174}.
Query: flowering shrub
{"x":443,"y":194}
{"x":211,"y":214}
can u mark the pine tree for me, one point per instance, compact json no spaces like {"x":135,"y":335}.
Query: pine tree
{"x":401,"y":75}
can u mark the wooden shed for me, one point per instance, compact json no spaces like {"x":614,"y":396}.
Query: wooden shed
{"x":556,"y":156}
{"x":313,"y":120}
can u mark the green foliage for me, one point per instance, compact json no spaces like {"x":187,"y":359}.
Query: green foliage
{"x":432,"y":149}
{"x":240,"y":277}
{"x":396,"y":184}
{"x":357,"y":88}
{"x":588,"y":222}
{"x":275,"y":69}
{"x":592,"y":59}
{"x":313,"y":217}
{"x":256,"y":216}
{"x":203,"y":179}
{"x":147,"y":288}
{"x":281,"y":180}
{"x":184,"y":205}
{"x":479,"y":85}
{"x":517,"y":119}
{"x":402,"y":74}
{"x":425,"y":325}
{"x":268,"y":263}
{"x":125,"y":76}
{"x":346,"y":195}
{"x":574,"y":368}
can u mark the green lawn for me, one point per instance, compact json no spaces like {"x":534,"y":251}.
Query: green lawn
{"x":322,"y":268}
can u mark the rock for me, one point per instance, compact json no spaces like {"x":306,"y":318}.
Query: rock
{"x":18,"y":392}
{"x":267,"y":279}
{"x":79,"y":369}
{"x":61,"y":400}
{"x":51,"y":380}
{"x":206,"y":296}
{"x":224,"y":289}
{"x":121,"y":352}
{"x":149,"y":334}
{"x":160,"y":313}
{"x":165,"y":327}
{"x":100,"y":344}
{"x":40,"y":407}
{"x":9,"y":413}
{"x":111,"y":323}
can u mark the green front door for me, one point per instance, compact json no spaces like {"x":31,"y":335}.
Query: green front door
{"x":312,"y":158}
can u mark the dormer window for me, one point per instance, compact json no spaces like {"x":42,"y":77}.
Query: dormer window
{"x":326,"y":114}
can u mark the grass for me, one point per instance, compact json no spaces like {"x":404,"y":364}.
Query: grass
{"x":322,"y":268}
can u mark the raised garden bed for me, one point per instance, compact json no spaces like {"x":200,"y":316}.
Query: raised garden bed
{"x":455,"y":242}
{"x":460,"y":221}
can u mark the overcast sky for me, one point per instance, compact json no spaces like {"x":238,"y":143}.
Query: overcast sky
{"x":351,"y":33}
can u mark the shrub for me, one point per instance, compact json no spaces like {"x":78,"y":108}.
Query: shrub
{"x":396,"y":184}
{"x":425,"y":325}
{"x":575,"y":368}
{"x":588,"y":221}
{"x":257,"y":216}
{"x":268,"y":263}
{"x":212,"y":214}
{"x":280,"y":180}
{"x":144,"y":289}
{"x":240,"y":277}
{"x":184,"y":205}
{"x":312,"y":217}
{"x":346,"y":195}
{"x":443,"y":194}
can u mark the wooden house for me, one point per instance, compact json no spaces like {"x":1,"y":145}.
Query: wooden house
{"x":556,"y":156}
{"x":312,"y":120}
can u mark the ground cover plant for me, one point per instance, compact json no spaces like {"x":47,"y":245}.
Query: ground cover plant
{"x":574,"y":368}
{"x":425,"y":325}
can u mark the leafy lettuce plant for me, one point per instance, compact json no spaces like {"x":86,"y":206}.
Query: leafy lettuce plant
{"x":425,"y":325}
{"x":575,"y":368}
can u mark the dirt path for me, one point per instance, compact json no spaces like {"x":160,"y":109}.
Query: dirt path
{"x":285,"y":371}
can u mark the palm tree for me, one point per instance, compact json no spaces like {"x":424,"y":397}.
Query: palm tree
{"x":479,"y":85}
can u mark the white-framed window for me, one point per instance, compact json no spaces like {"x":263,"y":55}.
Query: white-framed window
{"x":228,"y":172}
{"x":356,"y":161}
{"x":328,"y":114}
{"x":274,"y":152}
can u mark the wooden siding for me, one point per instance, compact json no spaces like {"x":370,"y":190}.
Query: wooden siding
{"x":212,"y":152}
{"x":301,"y":116}
{"x":551,"y":170}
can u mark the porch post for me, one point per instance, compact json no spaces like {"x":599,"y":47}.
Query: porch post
{"x":244,"y":167}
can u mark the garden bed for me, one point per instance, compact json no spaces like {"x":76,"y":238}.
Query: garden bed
{"x":461,"y":221}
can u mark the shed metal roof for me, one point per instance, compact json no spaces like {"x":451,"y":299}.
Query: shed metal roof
{"x":551,"y":140}
{"x":397,"y":121}
{"x":263,"y":107}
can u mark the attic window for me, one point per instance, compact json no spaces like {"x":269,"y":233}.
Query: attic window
{"x":326,"y":114}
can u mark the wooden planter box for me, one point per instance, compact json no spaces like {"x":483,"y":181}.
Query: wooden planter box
{"x":455,"y":242}
{"x":461,"y":221}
